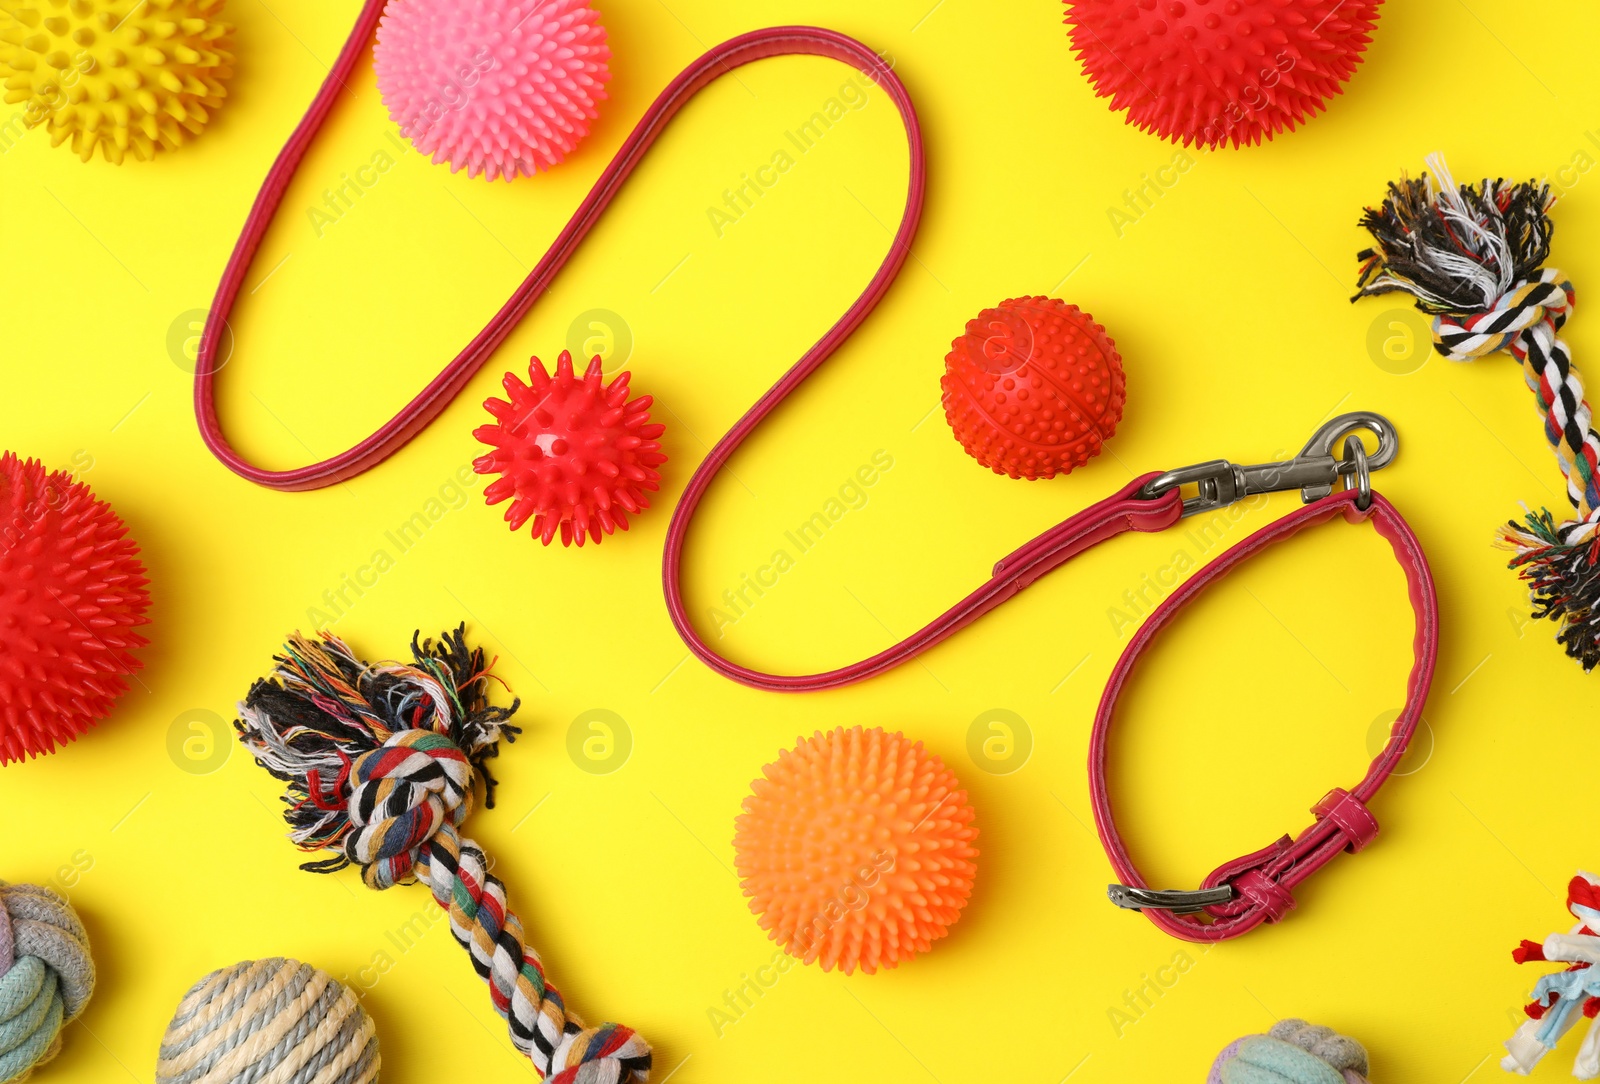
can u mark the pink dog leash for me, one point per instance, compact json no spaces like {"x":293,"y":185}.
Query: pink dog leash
{"x":428,"y":403}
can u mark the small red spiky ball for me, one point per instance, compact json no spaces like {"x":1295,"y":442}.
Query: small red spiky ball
{"x":1219,"y":71}
{"x":574,"y":455}
{"x":71,"y":592}
{"x":1033,"y":388}
{"x":856,"y":849}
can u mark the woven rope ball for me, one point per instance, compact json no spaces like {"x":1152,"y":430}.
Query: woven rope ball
{"x":46,"y":976}
{"x":1292,"y":1052}
{"x":278,"y":1021}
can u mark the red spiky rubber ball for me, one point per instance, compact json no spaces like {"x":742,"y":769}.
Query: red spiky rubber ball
{"x":1033,"y":388}
{"x":1219,"y":71}
{"x":71,"y":592}
{"x":500,"y":87}
{"x":856,"y":849}
{"x":574,"y":455}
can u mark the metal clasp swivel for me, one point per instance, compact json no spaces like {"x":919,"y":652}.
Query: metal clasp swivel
{"x":1313,"y":472}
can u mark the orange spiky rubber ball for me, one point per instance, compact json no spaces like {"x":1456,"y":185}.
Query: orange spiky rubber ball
{"x":574,"y":455}
{"x":126,"y":77}
{"x":72,"y":591}
{"x":1211,"y":72}
{"x":1033,"y":388}
{"x":856,"y":849}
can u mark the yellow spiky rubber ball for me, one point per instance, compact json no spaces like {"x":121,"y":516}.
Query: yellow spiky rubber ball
{"x":856,"y":849}
{"x":126,"y":77}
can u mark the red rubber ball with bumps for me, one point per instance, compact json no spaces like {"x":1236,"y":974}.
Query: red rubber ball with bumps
{"x":1034,"y":388}
{"x":575,"y":455}
{"x":1219,"y":71}
{"x":856,"y":849}
{"x":71,"y":592}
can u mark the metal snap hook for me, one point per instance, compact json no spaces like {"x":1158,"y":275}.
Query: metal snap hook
{"x":1314,"y":471}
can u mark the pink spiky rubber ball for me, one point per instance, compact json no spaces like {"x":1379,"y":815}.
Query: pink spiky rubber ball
{"x":71,"y":592}
{"x":1219,"y":71}
{"x":574,"y":455}
{"x":504,"y":88}
{"x":1033,"y":388}
{"x":856,"y":849}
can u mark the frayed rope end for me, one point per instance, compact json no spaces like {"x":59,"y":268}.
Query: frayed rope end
{"x":322,"y":708}
{"x":1561,"y":564}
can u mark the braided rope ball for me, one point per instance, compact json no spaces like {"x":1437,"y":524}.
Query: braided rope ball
{"x":1472,"y":256}
{"x":1292,"y":1052}
{"x":383,"y":763}
{"x":46,"y":976}
{"x":269,"y":1020}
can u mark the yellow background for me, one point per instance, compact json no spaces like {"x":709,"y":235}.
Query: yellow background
{"x":1228,"y":301}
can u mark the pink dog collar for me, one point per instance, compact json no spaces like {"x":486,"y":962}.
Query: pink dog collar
{"x":1240,"y":895}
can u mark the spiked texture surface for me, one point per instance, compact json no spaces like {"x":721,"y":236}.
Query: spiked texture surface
{"x":574,"y":455}
{"x":856,"y":849}
{"x":1219,"y":71}
{"x":71,"y":592}
{"x":500,"y":87}
{"x":1033,"y":388}
{"x":126,"y":77}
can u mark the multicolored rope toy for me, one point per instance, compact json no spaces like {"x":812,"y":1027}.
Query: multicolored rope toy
{"x":382,"y":762}
{"x":1559,"y":999}
{"x":1293,"y":1052}
{"x":46,"y":976}
{"x":1473,"y":256}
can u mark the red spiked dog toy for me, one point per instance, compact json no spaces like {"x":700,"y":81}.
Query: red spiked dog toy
{"x":575,"y":456}
{"x":71,"y":592}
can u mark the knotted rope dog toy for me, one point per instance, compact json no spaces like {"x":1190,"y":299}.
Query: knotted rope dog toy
{"x":269,"y":1020}
{"x":1473,"y":256}
{"x":46,"y":976}
{"x":1559,"y":999}
{"x":382,"y":762}
{"x":1293,"y":1052}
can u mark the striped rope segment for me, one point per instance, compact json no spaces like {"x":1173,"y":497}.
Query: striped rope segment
{"x":561,"y":1048}
{"x":269,"y":1020}
{"x":1523,"y":322}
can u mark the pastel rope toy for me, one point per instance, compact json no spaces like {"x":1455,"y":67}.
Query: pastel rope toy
{"x":1292,"y":1052}
{"x":46,"y":976}
{"x":382,"y":762}
{"x":1561,"y":998}
{"x":1473,"y":257}
{"x":269,"y":1020}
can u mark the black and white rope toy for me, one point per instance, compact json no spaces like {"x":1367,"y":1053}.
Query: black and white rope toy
{"x":1473,"y":257}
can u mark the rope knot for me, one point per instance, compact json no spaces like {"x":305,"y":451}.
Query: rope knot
{"x":608,"y":1054}
{"x":1534,"y":306}
{"x":402,"y":793}
{"x":46,"y":976}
